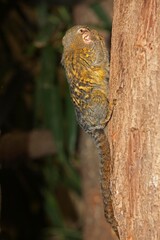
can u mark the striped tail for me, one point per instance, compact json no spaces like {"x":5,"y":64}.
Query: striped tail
{"x":102,"y":145}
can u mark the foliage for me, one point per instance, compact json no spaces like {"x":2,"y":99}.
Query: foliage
{"x":54,"y":110}
{"x":32,"y":67}
{"x":34,"y":94}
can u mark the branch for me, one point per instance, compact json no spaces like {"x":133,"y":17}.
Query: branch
{"x":35,"y":144}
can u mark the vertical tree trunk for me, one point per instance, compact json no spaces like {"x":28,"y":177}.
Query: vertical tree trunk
{"x":135,"y":125}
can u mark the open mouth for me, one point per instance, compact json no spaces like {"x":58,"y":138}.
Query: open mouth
{"x":86,"y":37}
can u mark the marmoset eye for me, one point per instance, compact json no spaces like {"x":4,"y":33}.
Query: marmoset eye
{"x":82,"y":30}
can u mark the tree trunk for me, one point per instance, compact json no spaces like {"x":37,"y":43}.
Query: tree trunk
{"x":135,"y":125}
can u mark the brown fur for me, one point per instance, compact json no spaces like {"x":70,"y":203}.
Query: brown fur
{"x":86,"y":62}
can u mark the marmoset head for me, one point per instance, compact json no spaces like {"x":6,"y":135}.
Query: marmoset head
{"x":80,"y":36}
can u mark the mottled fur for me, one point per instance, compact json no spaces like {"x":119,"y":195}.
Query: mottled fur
{"x":86,"y":62}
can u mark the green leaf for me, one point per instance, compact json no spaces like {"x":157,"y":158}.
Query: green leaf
{"x":64,"y":14}
{"x":44,"y":35}
{"x":51,"y":173}
{"x":52,"y":209}
{"x":71,"y":128}
{"x":48,"y":98}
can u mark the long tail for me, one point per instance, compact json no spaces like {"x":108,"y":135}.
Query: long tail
{"x":102,"y":145}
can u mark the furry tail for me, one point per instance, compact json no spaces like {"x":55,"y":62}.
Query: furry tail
{"x":102,"y":145}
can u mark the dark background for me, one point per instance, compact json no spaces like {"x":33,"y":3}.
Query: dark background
{"x":40,"y":171}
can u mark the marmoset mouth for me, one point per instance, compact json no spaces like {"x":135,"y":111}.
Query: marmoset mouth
{"x":86,"y":36}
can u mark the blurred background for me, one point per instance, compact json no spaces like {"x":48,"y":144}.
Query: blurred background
{"x":49,"y":167}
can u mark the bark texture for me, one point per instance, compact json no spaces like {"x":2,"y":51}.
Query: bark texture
{"x":135,"y":125}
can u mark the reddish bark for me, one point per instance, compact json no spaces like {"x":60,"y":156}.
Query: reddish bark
{"x":135,"y":125}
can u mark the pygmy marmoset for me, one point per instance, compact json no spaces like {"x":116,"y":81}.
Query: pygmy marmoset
{"x":86,"y":62}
